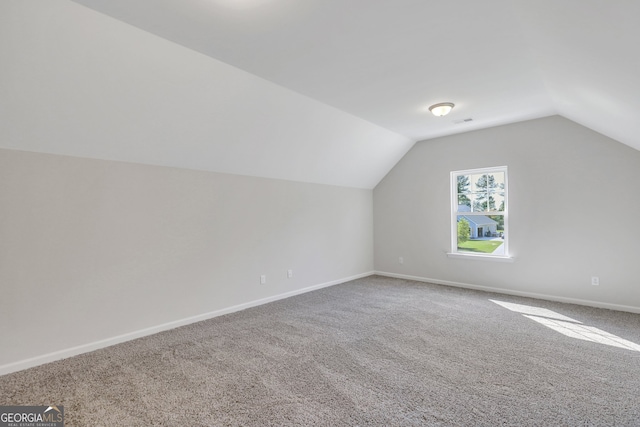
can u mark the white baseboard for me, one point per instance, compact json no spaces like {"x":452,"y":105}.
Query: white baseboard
{"x":589,"y":303}
{"x":96,"y":345}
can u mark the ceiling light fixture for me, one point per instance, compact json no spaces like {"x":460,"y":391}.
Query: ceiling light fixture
{"x":441,"y":109}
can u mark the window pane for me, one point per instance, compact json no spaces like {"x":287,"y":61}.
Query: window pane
{"x":478,"y":183}
{"x":464,"y":184}
{"x":500,"y":224}
{"x":464,"y":230}
{"x":480,"y":234}
{"x":496,"y":201}
{"x":498,"y":181}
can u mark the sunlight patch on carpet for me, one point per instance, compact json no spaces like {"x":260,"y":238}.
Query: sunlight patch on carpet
{"x":568,"y":326}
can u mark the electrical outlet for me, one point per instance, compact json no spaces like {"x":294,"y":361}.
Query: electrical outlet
{"x":401,"y":260}
{"x":263,"y":279}
{"x":289,"y":274}
{"x":595,"y":281}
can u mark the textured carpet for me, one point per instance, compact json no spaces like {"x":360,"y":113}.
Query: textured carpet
{"x":375,"y":351}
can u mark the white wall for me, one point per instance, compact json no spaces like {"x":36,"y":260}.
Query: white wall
{"x":93,"y":249}
{"x":79,"y":83}
{"x":573,"y":203}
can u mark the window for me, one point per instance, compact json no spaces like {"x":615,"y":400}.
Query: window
{"x":479,"y":212}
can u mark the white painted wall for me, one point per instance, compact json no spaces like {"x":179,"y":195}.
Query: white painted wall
{"x":79,"y":83}
{"x":573,"y":203}
{"x":93,"y":249}
{"x":102,"y":249}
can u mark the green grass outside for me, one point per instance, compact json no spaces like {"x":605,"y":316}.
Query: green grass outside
{"x":483,"y":246}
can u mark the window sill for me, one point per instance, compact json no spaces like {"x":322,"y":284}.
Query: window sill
{"x":475,"y":257}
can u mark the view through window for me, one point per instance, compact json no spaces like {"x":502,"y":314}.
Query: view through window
{"x":479,"y":211}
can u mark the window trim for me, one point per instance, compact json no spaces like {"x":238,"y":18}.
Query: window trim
{"x":454,"y":253}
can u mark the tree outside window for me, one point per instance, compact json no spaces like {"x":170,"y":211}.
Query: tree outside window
{"x":479,"y":211}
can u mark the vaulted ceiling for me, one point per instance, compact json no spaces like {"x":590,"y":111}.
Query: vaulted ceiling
{"x":499,"y":61}
{"x":384,"y":62}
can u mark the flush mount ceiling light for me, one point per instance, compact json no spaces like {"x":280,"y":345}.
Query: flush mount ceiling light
{"x":441,"y":109}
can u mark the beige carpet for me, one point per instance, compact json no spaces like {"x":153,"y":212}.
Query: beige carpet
{"x":372,"y":352}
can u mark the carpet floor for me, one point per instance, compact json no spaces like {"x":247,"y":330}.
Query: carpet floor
{"x":371,"y":352}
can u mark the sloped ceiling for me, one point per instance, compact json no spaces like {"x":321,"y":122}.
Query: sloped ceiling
{"x":500,"y":61}
{"x":374,"y":66}
{"x":76,"y":82}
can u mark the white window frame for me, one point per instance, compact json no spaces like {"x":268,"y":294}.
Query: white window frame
{"x":454,"y":216}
